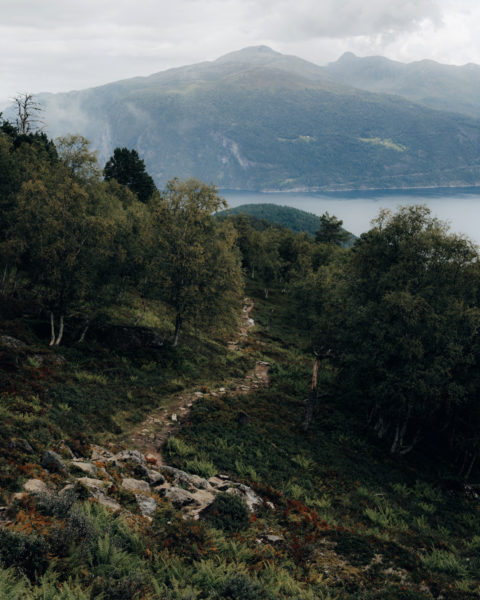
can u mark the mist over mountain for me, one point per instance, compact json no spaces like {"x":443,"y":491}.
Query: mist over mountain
{"x":444,"y":87}
{"x":259,"y":120}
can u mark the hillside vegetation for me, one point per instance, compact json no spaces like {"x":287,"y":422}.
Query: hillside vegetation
{"x":259,"y":120}
{"x":443,"y":87}
{"x":355,"y":483}
{"x":285,"y":216}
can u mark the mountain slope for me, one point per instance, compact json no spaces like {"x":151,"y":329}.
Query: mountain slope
{"x":444,"y":87}
{"x":256,"y":119}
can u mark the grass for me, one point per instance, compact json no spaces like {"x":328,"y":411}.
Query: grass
{"x":352,"y":523}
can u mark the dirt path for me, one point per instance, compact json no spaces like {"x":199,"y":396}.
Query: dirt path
{"x":164,"y":422}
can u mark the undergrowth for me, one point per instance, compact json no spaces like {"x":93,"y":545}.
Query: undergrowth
{"x":344,"y":521}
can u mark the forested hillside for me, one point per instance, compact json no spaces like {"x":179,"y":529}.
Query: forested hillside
{"x":259,"y":120}
{"x":164,"y":437}
{"x":263,"y":215}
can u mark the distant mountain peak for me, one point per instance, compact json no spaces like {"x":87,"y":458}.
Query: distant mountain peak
{"x":250,"y":54}
{"x":346,"y":56}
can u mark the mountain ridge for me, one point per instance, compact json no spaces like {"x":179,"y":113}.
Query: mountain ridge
{"x":454,"y":88}
{"x":257,"y":119}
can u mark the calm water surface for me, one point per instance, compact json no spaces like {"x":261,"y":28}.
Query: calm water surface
{"x":460,"y":207}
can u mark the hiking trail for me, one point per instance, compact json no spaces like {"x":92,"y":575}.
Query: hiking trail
{"x":163,"y":422}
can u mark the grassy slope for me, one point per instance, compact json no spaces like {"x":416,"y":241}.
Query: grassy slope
{"x":353,"y":523}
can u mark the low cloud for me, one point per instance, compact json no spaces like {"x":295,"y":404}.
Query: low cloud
{"x":307,"y":19}
{"x":55,"y":45}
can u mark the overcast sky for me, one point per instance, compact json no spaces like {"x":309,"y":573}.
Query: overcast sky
{"x":60,"y":45}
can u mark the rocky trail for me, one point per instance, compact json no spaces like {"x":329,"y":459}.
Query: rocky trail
{"x":139,"y":469}
{"x":164,"y":422}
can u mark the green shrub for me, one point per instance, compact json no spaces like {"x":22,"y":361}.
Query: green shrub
{"x":445,"y":562}
{"x":204,"y":468}
{"x":185,"y":537}
{"x":26,"y":552}
{"x":177,"y":447}
{"x":228,"y":512}
{"x":241,"y":587}
{"x":12,"y":587}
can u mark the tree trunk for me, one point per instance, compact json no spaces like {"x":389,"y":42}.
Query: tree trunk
{"x":398,"y":446}
{"x":270,"y":315}
{"x":52,"y":329}
{"x":178,"y":326}
{"x":470,"y":464}
{"x":4,"y":279}
{"x":60,"y":332}
{"x":81,"y":339}
{"x":312,"y":397}
{"x":381,"y":427}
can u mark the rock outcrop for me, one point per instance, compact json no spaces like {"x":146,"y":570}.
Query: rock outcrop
{"x":103,"y":477}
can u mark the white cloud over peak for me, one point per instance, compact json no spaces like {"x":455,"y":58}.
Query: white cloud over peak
{"x":53,"y":45}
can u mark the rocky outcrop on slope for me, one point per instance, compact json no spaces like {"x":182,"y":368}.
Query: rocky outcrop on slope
{"x":130,"y":481}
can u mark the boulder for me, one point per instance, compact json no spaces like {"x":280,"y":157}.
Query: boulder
{"x":11,"y":343}
{"x":65,"y":490}
{"x":252,"y":500}
{"x":202,"y":499}
{"x":85,"y":467}
{"x":53,"y":462}
{"x":191,"y":481}
{"x":130,"y":456}
{"x":20,"y":444}
{"x":100,"y":453}
{"x":177,"y":496}
{"x":64,"y":450}
{"x":154,"y":477}
{"x":273,"y":539}
{"x":220,"y":482}
{"x":93,"y":484}
{"x":135,"y":485}
{"x":35,"y":486}
{"x":108,"y":502}
{"x":151,"y":458}
{"x":18,"y":496}
{"x":146,"y":504}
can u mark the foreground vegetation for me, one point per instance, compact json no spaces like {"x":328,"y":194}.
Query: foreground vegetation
{"x":371,"y":498}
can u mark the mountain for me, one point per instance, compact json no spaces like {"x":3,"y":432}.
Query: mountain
{"x":256,"y":119}
{"x":444,"y":87}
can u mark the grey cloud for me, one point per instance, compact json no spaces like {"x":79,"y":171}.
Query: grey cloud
{"x":344,"y":18}
{"x":58,"y":45}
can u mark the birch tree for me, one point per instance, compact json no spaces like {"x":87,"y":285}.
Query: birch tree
{"x":195,"y":264}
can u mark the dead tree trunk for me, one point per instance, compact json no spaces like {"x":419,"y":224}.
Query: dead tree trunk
{"x":81,"y":339}
{"x":60,"y":332}
{"x":52,"y":329}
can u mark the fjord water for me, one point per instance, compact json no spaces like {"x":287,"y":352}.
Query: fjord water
{"x":459,"y":207}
